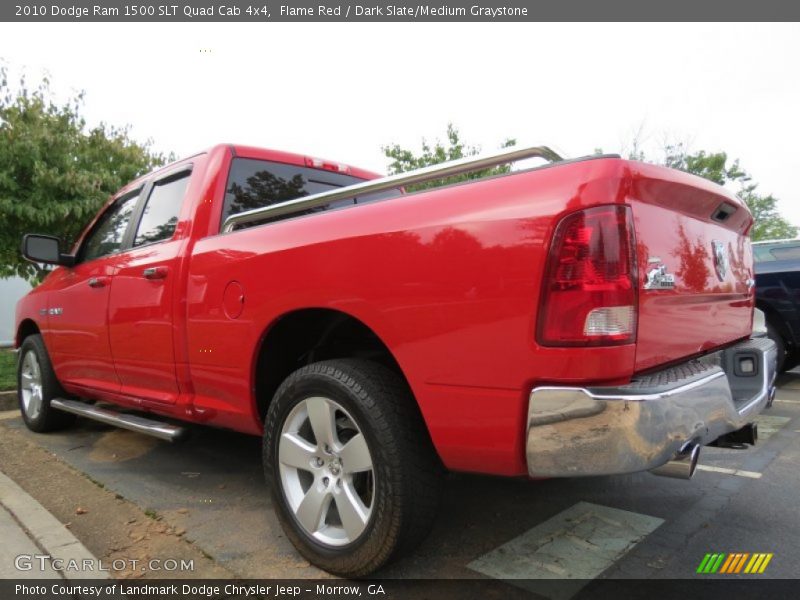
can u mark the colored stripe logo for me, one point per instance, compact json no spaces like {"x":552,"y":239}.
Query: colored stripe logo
{"x":737,"y":562}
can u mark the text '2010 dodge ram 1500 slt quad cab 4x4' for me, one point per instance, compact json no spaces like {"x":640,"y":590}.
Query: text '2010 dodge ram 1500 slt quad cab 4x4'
{"x":585,"y":317}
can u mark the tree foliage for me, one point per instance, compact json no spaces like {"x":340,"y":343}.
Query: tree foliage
{"x":769,"y":223}
{"x":404,"y":160}
{"x":55,"y":171}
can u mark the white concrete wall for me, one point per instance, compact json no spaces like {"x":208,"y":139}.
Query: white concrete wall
{"x":11,"y":290}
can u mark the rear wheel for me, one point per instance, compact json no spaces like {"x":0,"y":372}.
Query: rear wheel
{"x":792,"y":360}
{"x":775,"y":335}
{"x":37,"y":386}
{"x":351,"y":469}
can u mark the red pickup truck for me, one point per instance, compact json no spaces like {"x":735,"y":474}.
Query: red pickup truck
{"x":585,"y":317}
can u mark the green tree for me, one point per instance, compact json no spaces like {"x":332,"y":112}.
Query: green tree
{"x":55,"y":171}
{"x":404,"y":160}
{"x":715,"y":166}
{"x":769,"y":223}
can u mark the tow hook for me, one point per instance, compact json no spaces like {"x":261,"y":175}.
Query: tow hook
{"x":739,"y":439}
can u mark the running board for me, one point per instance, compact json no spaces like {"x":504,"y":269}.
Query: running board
{"x":163,"y":431}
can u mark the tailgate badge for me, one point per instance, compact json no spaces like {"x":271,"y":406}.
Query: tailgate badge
{"x":721,"y":263}
{"x":657,"y":277}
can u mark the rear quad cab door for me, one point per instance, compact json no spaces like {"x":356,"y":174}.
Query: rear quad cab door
{"x":143,"y":295}
{"x":78,"y":312}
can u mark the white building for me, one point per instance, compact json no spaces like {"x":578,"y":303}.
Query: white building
{"x":11,"y":290}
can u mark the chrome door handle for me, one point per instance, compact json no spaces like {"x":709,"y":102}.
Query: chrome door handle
{"x":155,"y":273}
{"x":98,"y":282}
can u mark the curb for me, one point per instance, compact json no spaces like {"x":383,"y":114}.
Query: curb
{"x":46,"y":531}
{"x":8,"y":400}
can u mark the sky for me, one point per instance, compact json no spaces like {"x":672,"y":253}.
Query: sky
{"x":342,"y":90}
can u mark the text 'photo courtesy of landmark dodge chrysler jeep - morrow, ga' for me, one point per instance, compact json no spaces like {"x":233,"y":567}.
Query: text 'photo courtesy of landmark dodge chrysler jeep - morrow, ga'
{"x":585,"y":317}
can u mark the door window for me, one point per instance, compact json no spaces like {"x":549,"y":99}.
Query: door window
{"x":160,"y":215}
{"x":107,"y":236}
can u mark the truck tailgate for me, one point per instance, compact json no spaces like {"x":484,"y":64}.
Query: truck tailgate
{"x":695,"y":265}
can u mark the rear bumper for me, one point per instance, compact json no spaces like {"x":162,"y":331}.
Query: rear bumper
{"x":576,"y":431}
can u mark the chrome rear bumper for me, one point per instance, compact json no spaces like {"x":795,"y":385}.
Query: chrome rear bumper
{"x":641,"y":426}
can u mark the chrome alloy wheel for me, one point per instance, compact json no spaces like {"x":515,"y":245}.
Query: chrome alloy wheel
{"x":31,"y":385}
{"x":326,"y":471}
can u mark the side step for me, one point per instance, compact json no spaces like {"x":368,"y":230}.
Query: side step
{"x":163,"y":431}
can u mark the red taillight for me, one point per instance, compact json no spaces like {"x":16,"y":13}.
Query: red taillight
{"x":589,"y":291}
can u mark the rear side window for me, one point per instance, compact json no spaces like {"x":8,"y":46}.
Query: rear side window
{"x":256,"y":184}
{"x":161,"y":212}
{"x":107,"y":236}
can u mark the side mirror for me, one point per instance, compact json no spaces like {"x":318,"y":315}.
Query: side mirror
{"x":45,"y":249}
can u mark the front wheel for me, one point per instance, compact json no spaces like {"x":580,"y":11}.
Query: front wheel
{"x":37,"y":386}
{"x":352,"y":471}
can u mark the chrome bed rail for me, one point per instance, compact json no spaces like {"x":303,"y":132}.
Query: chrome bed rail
{"x":440,"y":171}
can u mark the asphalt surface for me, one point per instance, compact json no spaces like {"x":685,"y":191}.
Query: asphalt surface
{"x":212,"y":485}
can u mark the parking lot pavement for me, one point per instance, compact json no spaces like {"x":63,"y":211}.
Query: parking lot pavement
{"x":634,"y":526}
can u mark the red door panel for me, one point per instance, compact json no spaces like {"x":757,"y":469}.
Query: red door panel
{"x":79,"y":344}
{"x":79,"y":303}
{"x":141,"y":302}
{"x":140,"y":323}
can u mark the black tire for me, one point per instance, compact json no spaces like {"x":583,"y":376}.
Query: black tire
{"x":45,"y":418}
{"x":406,"y":475}
{"x":792,"y":360}
{"x":774,"y":334}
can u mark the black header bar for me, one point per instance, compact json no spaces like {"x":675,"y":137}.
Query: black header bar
{"x":256,"y":11}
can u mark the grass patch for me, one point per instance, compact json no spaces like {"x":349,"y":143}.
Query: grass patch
{"x":8,"y":370}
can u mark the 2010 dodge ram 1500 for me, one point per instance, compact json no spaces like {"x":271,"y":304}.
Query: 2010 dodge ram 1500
{"x":586,"y":317}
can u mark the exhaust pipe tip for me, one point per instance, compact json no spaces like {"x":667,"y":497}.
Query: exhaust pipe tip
{"x":682,"y":465}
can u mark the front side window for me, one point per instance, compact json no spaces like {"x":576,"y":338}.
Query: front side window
{"x":161,"y":212}
{"x":107,"y":236}
{"x":258,"y":183}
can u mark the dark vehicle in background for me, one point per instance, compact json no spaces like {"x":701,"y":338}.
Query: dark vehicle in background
{"x":777,"y":268}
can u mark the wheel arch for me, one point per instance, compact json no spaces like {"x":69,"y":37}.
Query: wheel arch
{"x":308,"y":335}
{"x":26,"y":328}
